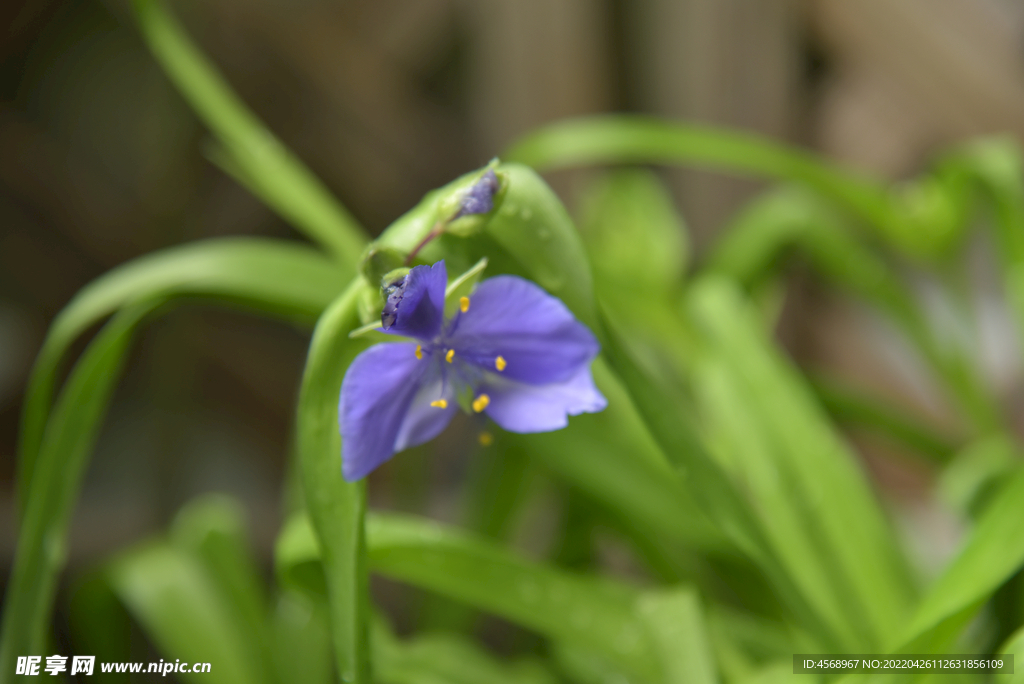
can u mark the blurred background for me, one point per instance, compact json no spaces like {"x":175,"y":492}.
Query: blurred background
{"x":102,"y":161}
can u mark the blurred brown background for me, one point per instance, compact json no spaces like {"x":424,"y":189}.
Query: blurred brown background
{"x":101,"y":161}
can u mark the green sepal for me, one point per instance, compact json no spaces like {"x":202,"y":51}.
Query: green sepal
{"x":462,"y":287}
{"x":378,"y":262}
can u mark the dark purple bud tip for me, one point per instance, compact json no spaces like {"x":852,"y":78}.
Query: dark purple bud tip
{"x":480,"y":198}
{"x":393,"y":294}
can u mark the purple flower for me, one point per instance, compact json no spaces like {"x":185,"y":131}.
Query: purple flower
{"x":512,"y":351}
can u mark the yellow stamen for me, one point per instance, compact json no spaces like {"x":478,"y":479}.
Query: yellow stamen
{"x":440,"y":403}
{"x":486,"y":439}
{"x":450,"y":355}
{"x":419,"y":352}
{"x":463,"y":304}
{"x":481,"y":402}
{"x":500,"y":364}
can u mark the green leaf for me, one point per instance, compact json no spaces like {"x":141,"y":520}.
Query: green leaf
{"x":611,"y":456}
{"x":261,"y":162}
{"x":994,"y":551}
{"x":756,"y":241}
{"x":634,"y":236}
{"x":598,"y":615}
{"x":284,"y":279}
{"x":446,"y":659}
{"x":1014,"y":646}
{"x":556,"y":604}
{"x":828,"y":494}
{"x":676,"y":624}
{"x":336,"y":507}
{"x":63,"y":453}
{"x":182,"y":609}
{"x":672,"y":423}
{"x":640,"y":140}
{"x":301,"y":640}
{"x":212,"y":528}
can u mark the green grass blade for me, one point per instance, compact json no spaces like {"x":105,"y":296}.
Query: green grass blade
{"x":336,"y":507}
{"x":301,"y":640}
{"x":64,"y":451}
{"x":641,"y":140}
{"x":838,"y":505}
{"x":676,"y":624}
{"x":446,"y":659}
{"x":1015,"y":646}
{"x":554,"y":603}
{"x":994,"y":551}
{"x":858,"y":410}
{"x":758,"y":239}
{"x":594,"y":614}
{"x":212,"y":529}
{"x":271,"y":170}
{"x":281,"y":278}
{"x":611,"y":457}
{"x":671,"y":422}
{"x":170,"y":593}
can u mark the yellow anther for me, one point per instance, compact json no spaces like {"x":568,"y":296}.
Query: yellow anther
{"x":486,"y":439}
{"x":450,"y":355}
{"x":500,"y":364}
{"x":481,"y":402}
{"x":440,"y":403}
{"x":463,"y":304}
{"x":419,"y":352}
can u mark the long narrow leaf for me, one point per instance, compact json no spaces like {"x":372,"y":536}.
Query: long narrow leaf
{"x":281,"y":278}
{"x":277,"y":175}
{"x":639,"y":140}
{"x":63,"y":454}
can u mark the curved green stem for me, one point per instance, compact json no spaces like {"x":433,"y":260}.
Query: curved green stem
{"x":336,"y":508}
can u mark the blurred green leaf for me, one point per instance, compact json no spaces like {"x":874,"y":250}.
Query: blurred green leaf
{"x":611,"y":456}
{"x":336,"y":507}
{"x":676,"y":624}
{"x":856,"y":409}
{"x":284,"y":279}
{"x":994,"y":551}
{"x":758,"y":239}
{"x":446,"y":659}
{"x":185,"y":613}
{"x":1013,"y":646}
{"x":787,"y":448}
{"x":266,"y":166}
{"x":634,"y":236}
{"x":640,"y":140}
{"x":594,"y":614}
{"x":64,"y":450}
{"x":591,"y":613}
{"x":671,"y":420}
{"x":301,"y":640}
{"x":212,"y":528}
{"x":969,"y":481}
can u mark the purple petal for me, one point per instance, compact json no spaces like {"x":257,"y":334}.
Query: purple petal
{"x":537,"y":336}
{"x":424,"y":422}
{"x":378,"y":389}
{"x":415,"y":306}
{"x":518,"y":407}
{"x":479,"y":199}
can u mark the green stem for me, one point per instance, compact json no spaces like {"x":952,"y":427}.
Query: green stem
{"x":337,"y":508}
